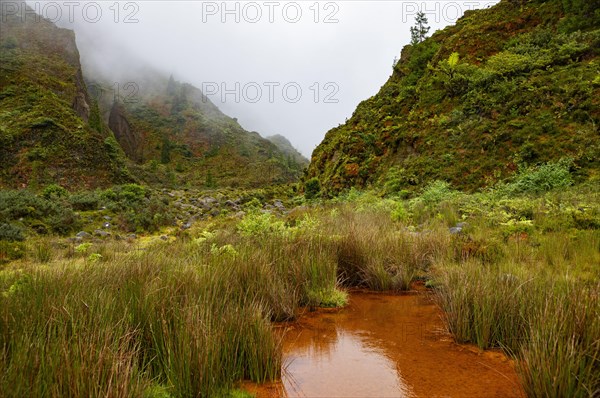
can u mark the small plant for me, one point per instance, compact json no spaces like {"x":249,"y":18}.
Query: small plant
{"x":226,"y":250}
{"x":94,"y":257}
{"x":156,"y":391}
{"x":54,"y":192}
{"x":327,"y":298}
{"x":436,"y":192}
{"x":205,"y":236}
{"x":11,"y":251}
{"x":82,"y":247}
{"x":399,"y":212}
{"x":257,"y":223}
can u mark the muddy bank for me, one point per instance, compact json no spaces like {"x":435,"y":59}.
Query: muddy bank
{"x":386,"y":346}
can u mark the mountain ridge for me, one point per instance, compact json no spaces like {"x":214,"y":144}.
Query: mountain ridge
{"x":59,"y":124}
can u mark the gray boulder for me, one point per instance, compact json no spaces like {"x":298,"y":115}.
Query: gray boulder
{"x":101,"y":233}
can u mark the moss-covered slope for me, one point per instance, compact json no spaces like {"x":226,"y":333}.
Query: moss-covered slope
{"x":286,"y":146}
{"x":156,"y":131}
{"x":515,"y":84}
{"x":49,"y":129}
{"x":176,"y":136}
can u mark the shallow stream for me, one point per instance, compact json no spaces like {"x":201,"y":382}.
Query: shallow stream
{"x":384,"y":345}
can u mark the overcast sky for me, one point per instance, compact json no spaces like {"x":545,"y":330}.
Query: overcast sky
{"x":281,"y":67}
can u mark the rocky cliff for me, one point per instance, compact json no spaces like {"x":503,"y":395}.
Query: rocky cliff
{"x":48,"y":132}
{"x":176,"y":136}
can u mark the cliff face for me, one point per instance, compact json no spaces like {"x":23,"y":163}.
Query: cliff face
{"x":46,"y":129}
{"x":177,"y":136}
{"x":53,"y":131}
{"x":127,"y":139}
{"x":516,"y":84}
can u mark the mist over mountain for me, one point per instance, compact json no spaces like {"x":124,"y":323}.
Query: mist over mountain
{"x":64,"y":124}
{"x":50,"y":129}
{"x":325,"y":53}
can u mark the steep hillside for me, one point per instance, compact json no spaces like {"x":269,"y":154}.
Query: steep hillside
{"x":176,"y":136}
{"x":56,"y":127}
{"x":49,"y":129}
{"x":514,"y":85}
{"x":286,"y":146}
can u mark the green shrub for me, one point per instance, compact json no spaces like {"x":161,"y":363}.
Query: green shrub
{"x":11,"y":233}
{"x":257,"y":224}
{"x":21,"y":204}
{"x":54,"y":192}
{"x":544,"y":178}
{"x":312,"y":188}
{"x":63,"y":220}
{"x":436,"y":192}
{"x":85,"y":201}
{"x":399,"y":213}
{"x":148,"y":215}
{"x":131,"y":193}
{"x":11,"y":251}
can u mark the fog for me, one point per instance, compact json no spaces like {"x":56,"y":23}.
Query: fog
{"x":291,"y":68}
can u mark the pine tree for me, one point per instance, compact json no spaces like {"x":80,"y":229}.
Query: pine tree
{"x":165,"y":153}
{"x":418,"y":33}
{"x":171,"y":86}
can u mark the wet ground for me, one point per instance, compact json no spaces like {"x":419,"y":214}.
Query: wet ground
{"x":385,"y":346}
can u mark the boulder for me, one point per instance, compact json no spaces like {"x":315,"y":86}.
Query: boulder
{"x":101,"y":233}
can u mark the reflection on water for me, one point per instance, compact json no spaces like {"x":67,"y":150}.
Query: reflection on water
{"x":346,"y":367}
{"x":386,"y":346}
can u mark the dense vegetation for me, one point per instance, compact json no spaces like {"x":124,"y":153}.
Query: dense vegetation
{"x":152,"y":130}
{"x":189,"y":313}
{"x":507,"y":87}
{"x":48,"y":125}
{"x":176,"y":137}
{"x":139,"y":290}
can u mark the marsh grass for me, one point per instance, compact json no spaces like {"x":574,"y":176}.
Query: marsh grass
{"x":115,"y":328}
{"x":188,"y":317}
{"x":192,"y":316}
{"x":562,"y":358}
{"x":377,"y":253}
{"x":42,"y":251}
{"x":533,"y":293}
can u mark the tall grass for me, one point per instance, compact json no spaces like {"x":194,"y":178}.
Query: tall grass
{"x":116,"y":329}
{"x":191,"y":317}
{"x":377,"y":253}
{"x":534,"y":294}
{"x":562,"y":358}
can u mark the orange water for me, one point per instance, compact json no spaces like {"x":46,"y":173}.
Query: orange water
{"x":385,"y":346}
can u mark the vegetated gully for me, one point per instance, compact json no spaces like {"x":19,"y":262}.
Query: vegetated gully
{"x":384,"y":345}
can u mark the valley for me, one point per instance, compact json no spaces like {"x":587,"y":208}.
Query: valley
{"x":444,"y":241}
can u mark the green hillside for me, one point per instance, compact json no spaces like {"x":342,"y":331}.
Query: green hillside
{"x":507,"y":87}
{"x":174,"y":135}
{"x":49,"y":129}
{"x":56,"y":128}
{"x":286,"y":146}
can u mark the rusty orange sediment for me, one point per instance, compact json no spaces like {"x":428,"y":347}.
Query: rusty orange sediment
{"x":385,"y":345}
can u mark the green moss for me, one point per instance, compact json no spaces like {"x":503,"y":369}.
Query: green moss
{"x":471,"y":108}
